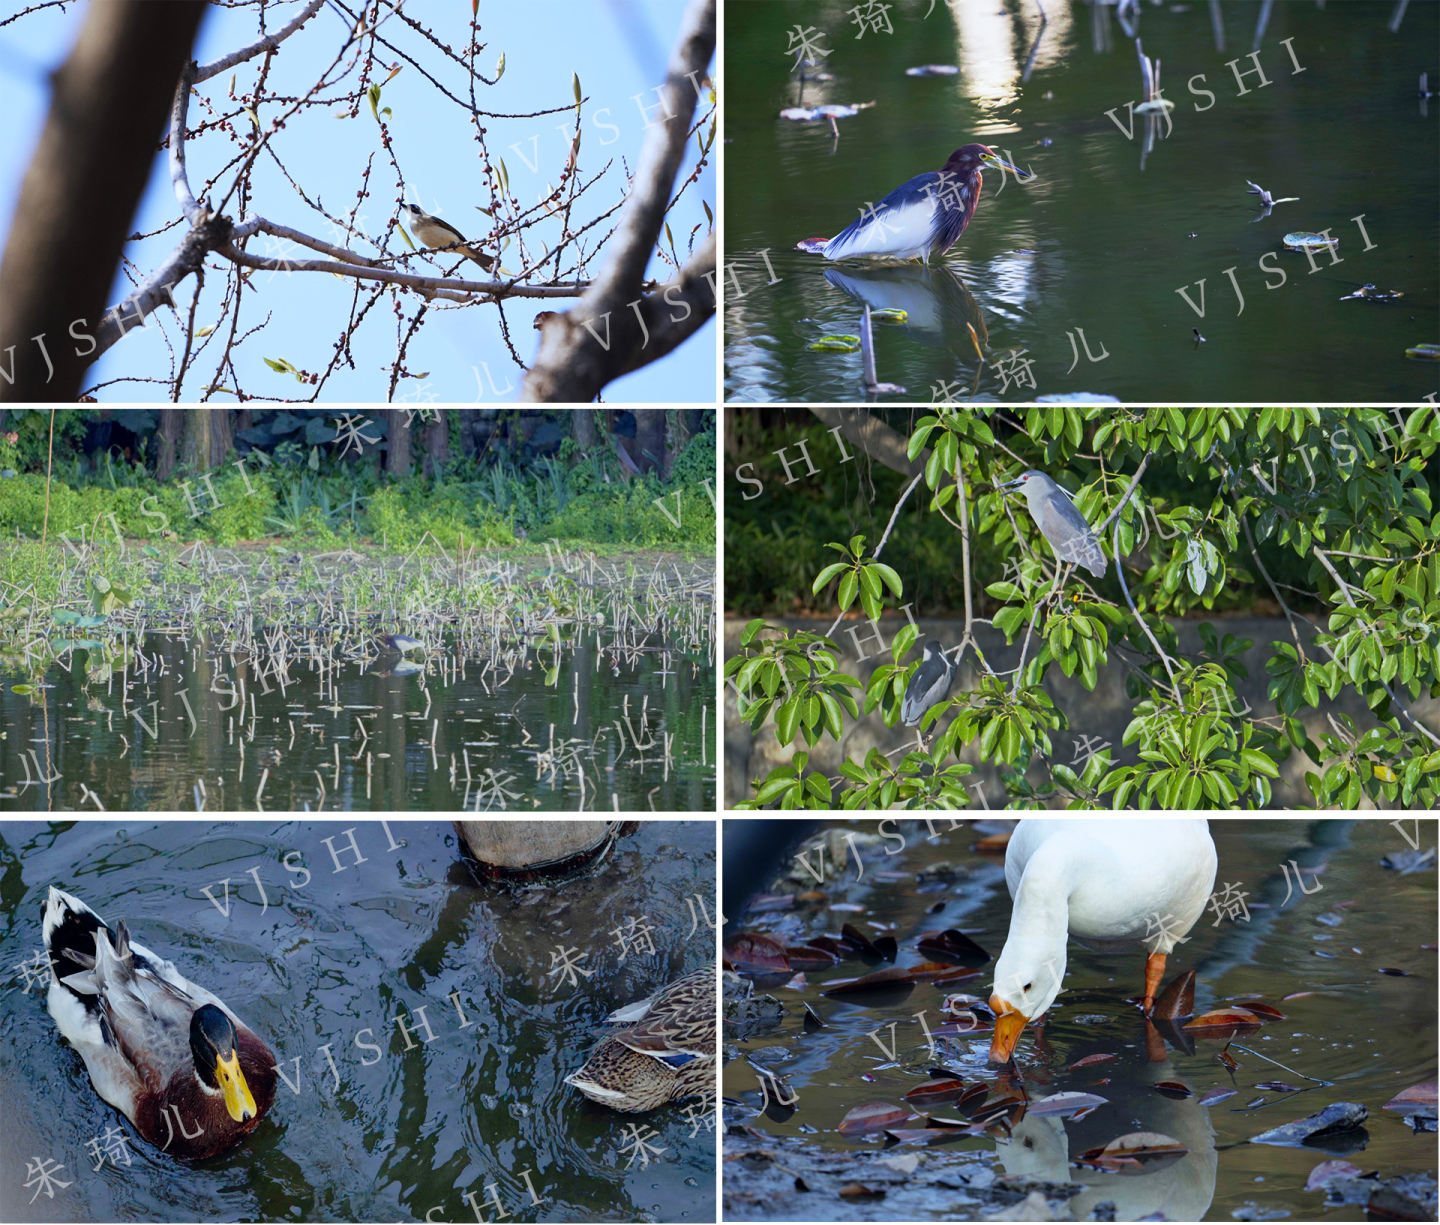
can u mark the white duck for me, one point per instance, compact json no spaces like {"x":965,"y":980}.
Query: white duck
{"x":1102,"y":881}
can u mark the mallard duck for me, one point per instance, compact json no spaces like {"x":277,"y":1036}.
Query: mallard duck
{"x":665,"y":1050}
{"x":1109,"y":882}
{"x":131,"y":1016}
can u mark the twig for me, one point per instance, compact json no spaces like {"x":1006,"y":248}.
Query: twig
{"x":1285,"y":608}
{"x":894,"y":514}
{"x":1135,"y":612}
{"x":1278,"y":1064}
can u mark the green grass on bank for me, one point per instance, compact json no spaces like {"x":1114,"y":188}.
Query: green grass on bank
{"x":490,"y":506}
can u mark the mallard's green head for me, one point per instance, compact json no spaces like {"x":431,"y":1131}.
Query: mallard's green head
{"x":217,"y":1060}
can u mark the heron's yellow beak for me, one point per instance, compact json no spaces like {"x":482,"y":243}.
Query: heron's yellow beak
{"x":1009,"y":1022}
{"x":238,"y":1101}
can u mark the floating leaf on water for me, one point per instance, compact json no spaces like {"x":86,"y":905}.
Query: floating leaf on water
{"x":1077,"y":1104}
{"x":973,"y":1099}
{"x":1177,"y":1000}
{"x":1299,"y":995}
{"x":22,"y":690}
{"x":1173,"y":1088}
{"x":1394,"y":973}
{"x":858,"y":1190}
{"x":1266,"y":1011}
{"x":806,"y":957}
{"x":751,"y":952}
{"x":1227,"y":1059}
{"x":1133,"y":1153}
{"x":1414,"y":1099}
{"x":857,"y":939}
{"x":889,"y":314}
{"x":928,"y":1135}
{"x":1216,"y":1095}
{"x":935,"y":1090}
{"x":1088,"y":1060}
{"x":1222,"y":1021}
{"x":797,"y":983}
{"x":1302,"y":240}
{"x":836,"y":344}
{"x":1323,"y":1173}
{"x":992,"y":844}
{"x":873,"y":1116}
{"x":933,"y":70}
{"x":887,"y":979}
{"x":1278,"y":1086}
{"x":952,"y":945}
{"x":1424,"y":353}
{"x":956,"y":974}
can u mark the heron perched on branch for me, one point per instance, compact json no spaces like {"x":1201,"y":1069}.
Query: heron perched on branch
{"x":929,"y":686}
{"x":1059,"y":522}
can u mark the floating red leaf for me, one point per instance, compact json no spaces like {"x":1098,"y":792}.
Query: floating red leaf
{"x":1267,"y":1011}
{"x":798,"y":983}
{"x":1088,"y":1060}
{"x":857,"y":939}
{"x":1177,"y":1000}
{"x":1173,"y":1088}
{"x":1130,"y":1154}
{"x":1327,"y":1171}
{"x":972,"y":1100}
{"x":935,"y":1090}
{"x":750,"y":952}
{"x":810,"y":957}
{"x":1414,"y":1099}
{"x":891,"y":978}
{"x":873,"y":1116}
{"x":1222,"y":1021}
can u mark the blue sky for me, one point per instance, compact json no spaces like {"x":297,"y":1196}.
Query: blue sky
{"x":618,"y":48}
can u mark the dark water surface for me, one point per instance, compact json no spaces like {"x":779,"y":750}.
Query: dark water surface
{"x":334,"y":962}
{"x":605,"y":729}
{"x":1371,"y":1034}
{"x":1093,"y":242}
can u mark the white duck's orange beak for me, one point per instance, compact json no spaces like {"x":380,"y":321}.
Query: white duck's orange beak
{"x":1009,"y":1021}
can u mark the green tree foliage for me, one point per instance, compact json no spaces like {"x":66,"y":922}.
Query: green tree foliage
{"x":1345,"y":491}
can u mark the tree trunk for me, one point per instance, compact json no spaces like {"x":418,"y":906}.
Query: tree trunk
{"x":207,"y":438}
{"x":468,"y":417}
{"x":397,"y":452}
{"x":107,"y":107}
{"x":437,"y":443}
{"x":172,"y":423}
{"x":649,"y":449}
{"x":582,"y":427}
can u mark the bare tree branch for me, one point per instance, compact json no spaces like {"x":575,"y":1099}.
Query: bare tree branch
{"x":576,"y":357}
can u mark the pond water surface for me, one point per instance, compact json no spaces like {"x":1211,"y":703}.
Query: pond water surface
{"x":320,"y":968}
{"x":570,"y":726}
{"x":1322,"y":918}
{"x":1105,"y":234}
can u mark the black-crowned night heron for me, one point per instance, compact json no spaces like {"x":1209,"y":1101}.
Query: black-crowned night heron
{"x":1059,"y":522}
{"x":929,"y":685}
